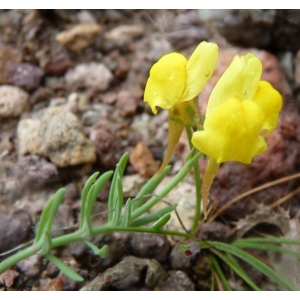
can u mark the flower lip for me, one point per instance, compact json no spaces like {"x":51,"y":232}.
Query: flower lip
{"x":232,"y":132}
{"x":241,"y":111}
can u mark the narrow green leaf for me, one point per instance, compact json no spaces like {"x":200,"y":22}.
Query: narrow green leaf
{"x":43,"y":220}
{"x":255,"y":263}
{"x":58,"y":198}
{"x":161,"y":222}
{"x":267,"y":247}
{"x":103,"y":252}
{"x":99,"y":184}
{"x":84,"y":195}
{"x":220,"y":273}
{"x":265,"y":240}
{"x":64,"y":268}
{"x":247,"y":279}
{"x":127,"y":213}
{"x":44,"y":243}
{"x":149,"y":188}
{"x":123,"y":162}
{"x":112,"y":197}
{"x":48,"y":214}
{"x":152,"y":217}
{"x":118,"y":202}
{"x":236,"y":268}
{"x":86,"y":224}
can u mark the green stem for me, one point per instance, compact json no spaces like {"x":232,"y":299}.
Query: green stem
{"x":197,"y":182}
{"x":106,"y":228}
{"x":76,"y":236}
{"x":14,"y":259}
{"x":66,"y":239}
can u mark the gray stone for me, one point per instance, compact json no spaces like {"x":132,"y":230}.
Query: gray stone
{"x":10,"y":189}
{"x":123,"y":276}
{"x":178,"y":260}
{"x":31,"y":265}
{"x":252,"y":28}
{"x":132,"y":184}
{"x":127,"y":273}
{"x":36,"y":172}
{"x":140,"y":124}
{"x":177,"y":281}
{"x":97,"y":284}
{"x":150,"y":245}
{"x":63,"y":140}
{"x":159,"y":47}
{"x":15,"y":227}
{"x":59,"y":137}
{"x":208,"y":15}
{"x":84,"y":16}
{"x":90,"y":117}
{"x":93,"y":74}
{"x":156,"y":274}
{"x":186,"y":37}
{"x":184,"y":194}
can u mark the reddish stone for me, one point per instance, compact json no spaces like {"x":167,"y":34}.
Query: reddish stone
{"x":57,"y":65}
{"x":8,"y":56}
{"x":143,"y":161}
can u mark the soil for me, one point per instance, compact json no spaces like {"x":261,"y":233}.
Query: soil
{"x":71,"y":104}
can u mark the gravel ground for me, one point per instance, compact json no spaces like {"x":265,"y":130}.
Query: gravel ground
{"x":71,"y":91}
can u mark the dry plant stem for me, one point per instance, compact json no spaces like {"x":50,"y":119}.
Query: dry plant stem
{"x":285,"y":198}
{"x":252,"y":191}
{"x":219,"y":282}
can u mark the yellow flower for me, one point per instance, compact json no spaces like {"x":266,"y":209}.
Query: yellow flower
{"x":241,"y":112}
{"x":174,"y":79}
{"x":174,"y":83}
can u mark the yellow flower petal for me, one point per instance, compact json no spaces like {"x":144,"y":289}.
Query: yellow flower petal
{"x":239,"y":81}
{"x":270,"y":102}
{"x":231,"y":132}
{"x":166,"y":83}
{"x":199,"y":69}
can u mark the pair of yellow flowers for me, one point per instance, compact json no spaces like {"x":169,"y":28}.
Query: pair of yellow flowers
{"x":241,"y":111}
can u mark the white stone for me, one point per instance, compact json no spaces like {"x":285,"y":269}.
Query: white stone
{"x":13,"y":101}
